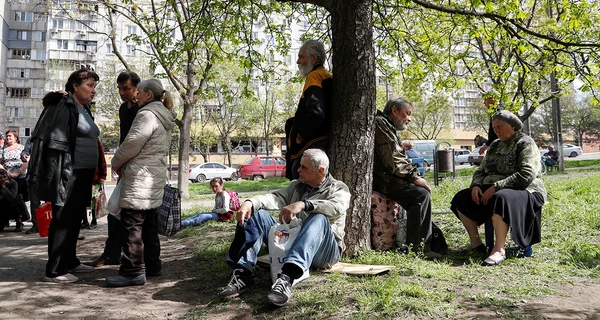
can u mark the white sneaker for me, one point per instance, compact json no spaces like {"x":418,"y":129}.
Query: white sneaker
{"x":82,"y":268}
{"x":65,"y":278}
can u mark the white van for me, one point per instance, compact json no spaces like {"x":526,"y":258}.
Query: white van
{"x":427,"y":149}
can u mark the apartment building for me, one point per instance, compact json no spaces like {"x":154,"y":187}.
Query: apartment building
{"x":23,"y":59}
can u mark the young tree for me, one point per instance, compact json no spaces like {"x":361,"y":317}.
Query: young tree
{"x":583,"y":118}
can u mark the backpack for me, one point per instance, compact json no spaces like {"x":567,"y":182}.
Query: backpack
{"x":234,"y":201}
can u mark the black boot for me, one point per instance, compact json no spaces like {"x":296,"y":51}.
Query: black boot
{"x":19,"y":227}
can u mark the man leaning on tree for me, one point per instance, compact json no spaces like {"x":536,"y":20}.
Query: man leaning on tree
{"x":309,"y":128}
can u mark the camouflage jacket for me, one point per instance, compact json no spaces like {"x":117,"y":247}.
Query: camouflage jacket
{"x":513,"y":164}
{"x":391,"y":168}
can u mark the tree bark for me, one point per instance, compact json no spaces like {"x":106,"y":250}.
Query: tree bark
{"x":351,"y":143}
{"x":184,"y":149}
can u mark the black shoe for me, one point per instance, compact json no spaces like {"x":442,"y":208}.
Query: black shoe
{"x":153,"y":273}
{"x":33,"y":230}
{"x":281,"y":291}
{"x":93,"y":224}
{"x":87,"y":226}
{"x":19,"y":227}
{"x":124,"y":281}
{"x":238,"y":284}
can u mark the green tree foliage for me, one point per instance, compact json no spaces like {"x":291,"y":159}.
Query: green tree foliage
{"x":583,"y":119}
{"x":431,"y":115}
{"x":512,"y":46}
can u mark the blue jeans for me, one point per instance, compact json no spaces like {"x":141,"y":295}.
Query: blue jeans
{"x":314,"y":247}
{"x":199,"y":218}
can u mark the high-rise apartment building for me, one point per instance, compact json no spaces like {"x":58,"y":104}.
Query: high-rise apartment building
{"x":23,"y":59}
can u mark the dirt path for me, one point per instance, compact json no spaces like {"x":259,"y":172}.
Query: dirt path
{"x":24,"y":294}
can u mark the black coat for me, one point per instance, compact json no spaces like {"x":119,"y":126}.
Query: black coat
{"x":52,"y":148}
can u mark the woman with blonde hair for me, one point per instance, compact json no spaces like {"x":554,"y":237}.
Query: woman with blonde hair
{"x":141,"y":163}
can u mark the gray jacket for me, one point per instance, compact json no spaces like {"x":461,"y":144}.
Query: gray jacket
{"x":332,"y":200}
{"x":142,"y":158}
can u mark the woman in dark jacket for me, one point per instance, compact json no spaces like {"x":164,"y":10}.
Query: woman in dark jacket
{"x":64,"y":157}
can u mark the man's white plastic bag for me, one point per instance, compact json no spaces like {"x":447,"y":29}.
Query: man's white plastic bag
{"x":281,"y":238}
{"x":113,"y":203}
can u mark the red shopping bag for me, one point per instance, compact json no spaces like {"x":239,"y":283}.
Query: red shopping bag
{"x":44,"y":215}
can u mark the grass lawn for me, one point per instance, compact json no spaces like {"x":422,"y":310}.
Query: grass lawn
{"x":419,"y":288}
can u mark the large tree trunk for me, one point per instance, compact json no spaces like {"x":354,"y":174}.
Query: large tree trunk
{"x":184,"y":150}
{"x":352,"y":142}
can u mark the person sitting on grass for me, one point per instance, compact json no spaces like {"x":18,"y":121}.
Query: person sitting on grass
{"x":221,"y":211}
{"x":316,"y":198}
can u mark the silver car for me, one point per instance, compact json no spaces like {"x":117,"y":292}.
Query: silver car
{"x":206,"y":171}
{"x":569,"y":150}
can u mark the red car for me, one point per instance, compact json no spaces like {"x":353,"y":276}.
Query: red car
{"x":262,"y":167}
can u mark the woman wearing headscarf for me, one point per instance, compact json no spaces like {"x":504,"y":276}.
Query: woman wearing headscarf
{"x":64,"y":157}
{"x":141,"y":162}
{"x":507,"y":187}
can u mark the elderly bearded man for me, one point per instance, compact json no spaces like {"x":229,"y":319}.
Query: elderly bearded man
{"x":309,"y":128}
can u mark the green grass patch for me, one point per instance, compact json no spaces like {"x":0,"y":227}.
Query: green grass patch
{"x":203,"y":188}
{"x":418,"y":288}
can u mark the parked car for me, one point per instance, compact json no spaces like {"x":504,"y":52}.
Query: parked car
{"x":262,"y":167}
{"x":427,"y":150}
{"x":206,"y":171}
{"x":461,"y":156}
{"x":475,"y":158}
{"x":569,"y":150}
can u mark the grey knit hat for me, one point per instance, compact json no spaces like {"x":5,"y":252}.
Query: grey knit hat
{"x":508,"y":117}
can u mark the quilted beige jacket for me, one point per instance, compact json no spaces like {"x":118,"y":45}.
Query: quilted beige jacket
{"x":142,"y":158}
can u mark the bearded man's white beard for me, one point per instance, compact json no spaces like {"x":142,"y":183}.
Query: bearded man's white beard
{"x":304,"y":69}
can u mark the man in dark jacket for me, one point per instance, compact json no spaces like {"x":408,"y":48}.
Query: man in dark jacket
{"x":309,"y":128}
{"x":127,"y":82}
{"x":396,"y":177}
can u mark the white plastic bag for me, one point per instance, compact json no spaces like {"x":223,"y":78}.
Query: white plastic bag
{"x":281,"y":238}
{"x":113,"y":203}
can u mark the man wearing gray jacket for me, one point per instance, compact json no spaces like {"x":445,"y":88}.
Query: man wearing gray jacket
{"x":319,"y":201}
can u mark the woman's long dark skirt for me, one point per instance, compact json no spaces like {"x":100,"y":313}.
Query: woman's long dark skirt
{"x":519,"y":209}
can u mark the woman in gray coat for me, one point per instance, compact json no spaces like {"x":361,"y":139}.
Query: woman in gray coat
{"x":141,"y":163}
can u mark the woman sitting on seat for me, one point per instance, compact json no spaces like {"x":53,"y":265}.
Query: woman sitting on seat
{"x":507,"y":188}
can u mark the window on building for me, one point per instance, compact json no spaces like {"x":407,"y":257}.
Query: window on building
{"x":36,"y":93}
{"x":40,"y":55}
{"x":19,"y":73}
{"x":17,"y":93}
{"x":21,"y":54}
{"x":57,"y":23}
{"x":131,"y":29}
{"x":23,"y":16}
{"x":89,"y":46}
{"x":109,"y":48}
{"x":22,"y":35}
{"x":16,"y":112}
{"x":40,"y":36}
{"x":131,"y":49}
{"x":62,"y":44}
{"x":40,"y":17}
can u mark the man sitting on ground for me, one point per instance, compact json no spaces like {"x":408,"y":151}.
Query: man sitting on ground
{"x":319,"y":201}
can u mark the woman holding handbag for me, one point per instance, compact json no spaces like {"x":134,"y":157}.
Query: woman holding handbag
{"x":141,"y":163}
